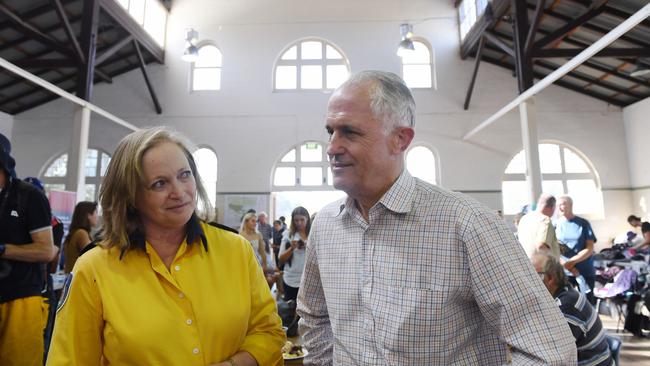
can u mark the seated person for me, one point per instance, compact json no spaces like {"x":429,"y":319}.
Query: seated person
{"x":645,"y":245}
{"x":582,"y":317}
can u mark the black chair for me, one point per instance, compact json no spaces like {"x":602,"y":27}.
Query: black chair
{"x":614,"y":346}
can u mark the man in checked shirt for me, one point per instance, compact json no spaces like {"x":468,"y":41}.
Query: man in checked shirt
{"x":401,"y":272}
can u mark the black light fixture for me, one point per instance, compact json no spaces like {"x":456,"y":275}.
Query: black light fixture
{"x":406,"y":45}
{"x":191,"y":53}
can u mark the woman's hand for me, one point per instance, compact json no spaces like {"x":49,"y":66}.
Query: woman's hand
{"x":294,"y":244}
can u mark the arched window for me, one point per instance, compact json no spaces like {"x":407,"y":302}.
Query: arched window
{"x":56,"y":173}
{"x":206,"y":71}
{"x":418,"y":67}
{"x":303,"y":177}
{"x":310,"y":64}
{"x":206,"y":164}
{"x":421,"y":163}
{"x":565,"y":171}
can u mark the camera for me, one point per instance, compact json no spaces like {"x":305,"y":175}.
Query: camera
{"x":301,"y":244}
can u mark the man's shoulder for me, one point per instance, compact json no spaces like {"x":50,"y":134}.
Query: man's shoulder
{"x":434,"y":198}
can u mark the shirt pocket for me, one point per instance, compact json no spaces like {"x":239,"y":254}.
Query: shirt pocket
{"x":410,"y":323}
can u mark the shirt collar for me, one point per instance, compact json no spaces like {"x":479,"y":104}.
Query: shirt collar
{"x":398,"y":198}
{"x":194,"y":231}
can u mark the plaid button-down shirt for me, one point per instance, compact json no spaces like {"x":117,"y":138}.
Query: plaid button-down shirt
{"x":432,"y":278}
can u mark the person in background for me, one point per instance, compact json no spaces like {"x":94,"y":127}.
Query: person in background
{"x":26,"y":246}
{"x":57,"y":226}
{"x":265,"y":229}
{"x":283,"y":220}
{"x":84,"y":219}
{"x":292,"y":251}
{"x":402,"y":272}
{"x":645,"y":244}
{"x":535,"y":230}
{"x":582,"y":318}
{"x":163,"y":287}
{"x":248,"y":229}
{"x":278,"y":233}
{"x":578,"y":239}
{"x":634,"y":221}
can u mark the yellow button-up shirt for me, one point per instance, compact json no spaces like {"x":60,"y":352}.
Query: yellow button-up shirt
{"x":206,"y":307}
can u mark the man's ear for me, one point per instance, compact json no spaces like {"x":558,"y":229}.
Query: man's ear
{"x":403,"y":137}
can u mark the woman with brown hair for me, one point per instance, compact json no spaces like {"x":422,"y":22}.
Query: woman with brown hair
{"x":164,"y":287}
{"x":84,"y":218}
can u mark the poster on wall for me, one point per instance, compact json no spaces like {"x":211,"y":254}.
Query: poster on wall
{"x":62,"y":204}
{"x":236,"y":205}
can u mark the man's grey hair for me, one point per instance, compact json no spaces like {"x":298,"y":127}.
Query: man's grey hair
{"x":566,"y":199}
{"x":552,"y":267}
{"x":391,"y":100}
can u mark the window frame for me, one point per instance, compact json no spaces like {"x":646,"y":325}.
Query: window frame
{"x":436,"y":159}
{"x":95,"y":180}
{"x":216,"y":182}
{"x":323,"y":62}
{"x":297,"y":164}
{"x":563,"y":176}
{"x":193,"y":67}
{"x":432,"y":65}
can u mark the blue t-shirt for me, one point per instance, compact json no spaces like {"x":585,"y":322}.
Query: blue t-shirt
{"x":574,"y":233}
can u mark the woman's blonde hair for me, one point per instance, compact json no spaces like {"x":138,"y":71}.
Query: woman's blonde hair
{"x":125,"y":174}
{"x":248,"y":216}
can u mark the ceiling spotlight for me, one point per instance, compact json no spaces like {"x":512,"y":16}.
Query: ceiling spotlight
{"x":191,"y":53}
{"x":406,"y":45}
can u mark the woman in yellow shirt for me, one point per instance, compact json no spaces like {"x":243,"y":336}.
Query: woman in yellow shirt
{"x":84,"y":218}
{"x":164,"y":287}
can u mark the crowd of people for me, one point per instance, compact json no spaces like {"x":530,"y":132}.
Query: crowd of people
{"x":398,"y":272}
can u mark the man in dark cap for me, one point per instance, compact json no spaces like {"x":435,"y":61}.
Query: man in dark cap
{"x":25,"y":246}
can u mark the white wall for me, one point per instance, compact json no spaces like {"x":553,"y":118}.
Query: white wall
{"x":250,"y":127}
{"x":638,"y":133}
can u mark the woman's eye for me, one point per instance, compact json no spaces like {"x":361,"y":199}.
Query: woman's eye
{"x":186,"y":174}
{"x":158,"y":184}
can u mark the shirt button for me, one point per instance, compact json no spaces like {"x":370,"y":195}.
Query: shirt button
{"x":178,"y":268}
{"x":189,"y":321}
{"x":181,"y":295}
{"x":195,"y":351}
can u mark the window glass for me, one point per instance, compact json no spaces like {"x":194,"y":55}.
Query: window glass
{"x":55,"y":176}
{"x":332,"y":53}
{"x":155,"y":21}
{"x":285,"y":176}
{"x":136,"y":9}
{"x":289,"y":157}
{"x":311,"y":50}
{"x":207,"y":79}
{"x":336,"y":75}
{"x":209,"y":56}
{"x":311,"y":77}
{"x":291,"y":54}
{"x":417,"y":66}
{"x":206,"y":164}
{"x":304,"y":66}
{"x":311,"y":176}
{"x":562,"y":173}
{"x":421,"y":163}
{"x":549,"y":158}
{"x":286,"y":77}
{"x":574,"y":163}
{"x":311,"y":151}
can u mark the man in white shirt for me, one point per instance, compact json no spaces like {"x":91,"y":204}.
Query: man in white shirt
{"x":536,"y":232}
